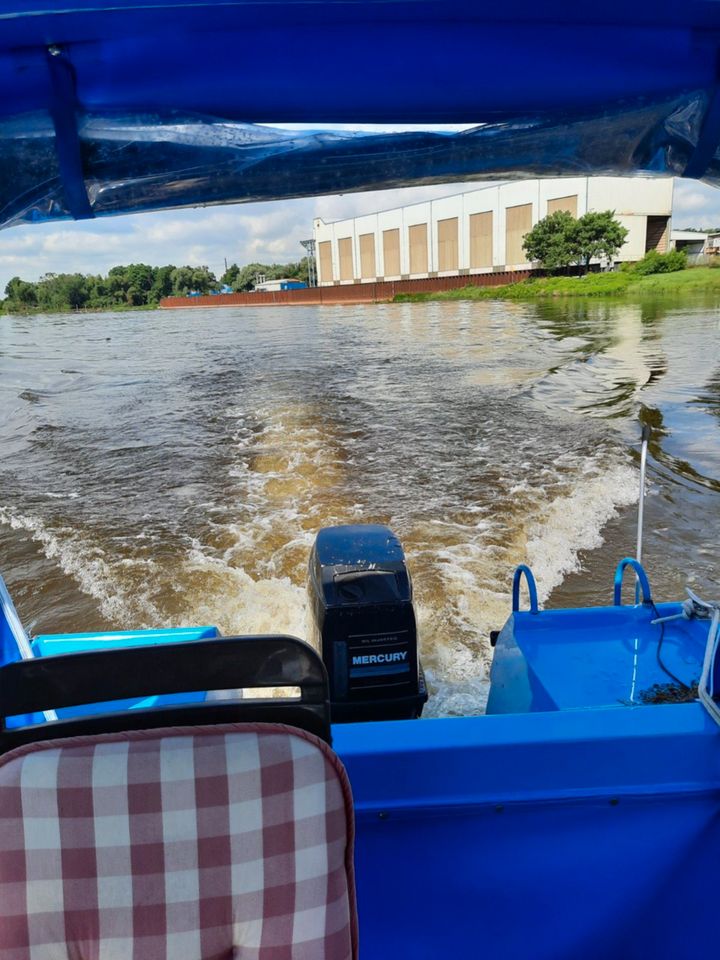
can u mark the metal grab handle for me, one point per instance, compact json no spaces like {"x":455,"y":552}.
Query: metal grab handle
{"x":642,"y":580}
{"x":525,"y":571}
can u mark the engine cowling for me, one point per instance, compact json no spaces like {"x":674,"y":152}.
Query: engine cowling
{"x":364,"y":625}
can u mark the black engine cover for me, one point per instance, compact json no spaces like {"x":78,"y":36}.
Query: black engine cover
{"x":364,"y":623}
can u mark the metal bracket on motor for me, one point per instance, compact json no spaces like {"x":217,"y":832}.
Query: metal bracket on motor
{"x":642,"y":580}
{"x":524,"y":571}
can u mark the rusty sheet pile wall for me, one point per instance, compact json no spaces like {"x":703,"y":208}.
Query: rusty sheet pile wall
{"x":348,"y":293}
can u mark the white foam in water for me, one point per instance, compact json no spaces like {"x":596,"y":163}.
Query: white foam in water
{"x":238,"y":604}
{"x":462,"y":575}
{"x":478,"y":577}
{"x":93,"y":574}
{"x":574,"y":522}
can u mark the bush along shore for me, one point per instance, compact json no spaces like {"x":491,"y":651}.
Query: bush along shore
{"x":656,"y":275}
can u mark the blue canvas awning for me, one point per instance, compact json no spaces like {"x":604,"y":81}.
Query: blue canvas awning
{"x":138,"y":105}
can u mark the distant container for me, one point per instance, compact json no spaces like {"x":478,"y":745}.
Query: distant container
{"x":269,"y":285}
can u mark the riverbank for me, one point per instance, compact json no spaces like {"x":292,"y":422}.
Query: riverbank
{"x":73,"y":311}
{"x":511,"y":285}
{"x":617,"y":284}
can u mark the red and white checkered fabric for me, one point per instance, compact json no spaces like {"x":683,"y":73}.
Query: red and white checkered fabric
{"x":193,"y":843}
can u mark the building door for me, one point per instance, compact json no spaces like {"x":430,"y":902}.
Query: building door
{"x":656,"y":237}
{"x":518,"y":222}
{"x":447,"y":244}
{"x":345,"y":254}
{"x":326,"y":265}
{"x":481,"y":240}
{"x":368,"y":269}
{"x":391,"y":253}
{"x":417,"y":236}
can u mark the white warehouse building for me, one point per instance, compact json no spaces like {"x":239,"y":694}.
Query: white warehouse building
{"x":482,"y":231}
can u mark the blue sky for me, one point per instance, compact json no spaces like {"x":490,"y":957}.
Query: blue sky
{"x":264,"y":232}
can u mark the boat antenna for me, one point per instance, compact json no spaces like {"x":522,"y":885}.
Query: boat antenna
{"x":645,"y":439}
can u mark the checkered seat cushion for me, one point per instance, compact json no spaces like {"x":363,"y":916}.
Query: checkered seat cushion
{"x":196,"y":843}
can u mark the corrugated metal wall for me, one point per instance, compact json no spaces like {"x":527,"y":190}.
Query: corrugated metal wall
{"x":348,"y":293}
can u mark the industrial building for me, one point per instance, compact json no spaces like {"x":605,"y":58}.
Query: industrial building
{"x":482,"y":231}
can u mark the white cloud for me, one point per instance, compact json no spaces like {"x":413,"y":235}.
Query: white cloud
{"x":695,"y":204}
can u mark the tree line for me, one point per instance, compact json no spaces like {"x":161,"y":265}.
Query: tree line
{"x":134,"y":285}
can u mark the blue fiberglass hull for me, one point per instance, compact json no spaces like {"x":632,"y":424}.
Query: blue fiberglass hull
{"x":548,"y":836}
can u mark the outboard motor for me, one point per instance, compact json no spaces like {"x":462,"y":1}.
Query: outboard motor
{"x":364,"y":624}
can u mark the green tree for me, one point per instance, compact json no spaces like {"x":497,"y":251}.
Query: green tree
{"x":182,"y":281}
{"x":230,"y":275}
{"x":551,"y":241}
{"x":245,"y":279}
{"x":73,"y":289}
{"x":139,"y":280}
{"x":134,"y":284}
{"x":62,"y":291}
{"x":162,"y":284}
{"x":296,"y":271}
{"x":559,"y":239}
{"x":131,"y":284}
{"x":20,"y":295}
{"x":203,"y":280}
{"x":598,"y":235}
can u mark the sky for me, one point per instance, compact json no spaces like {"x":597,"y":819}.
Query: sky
{"x":242,"y":233}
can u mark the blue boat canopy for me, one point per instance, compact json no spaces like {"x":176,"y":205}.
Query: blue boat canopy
{"x":142,"y":105}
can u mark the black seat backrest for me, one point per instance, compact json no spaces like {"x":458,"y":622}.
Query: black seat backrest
{"x":227,"y":663}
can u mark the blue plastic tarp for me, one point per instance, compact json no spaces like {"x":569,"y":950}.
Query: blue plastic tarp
{"x":129,"y":106}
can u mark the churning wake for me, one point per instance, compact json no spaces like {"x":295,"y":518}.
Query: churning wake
{"x":194,"y":496}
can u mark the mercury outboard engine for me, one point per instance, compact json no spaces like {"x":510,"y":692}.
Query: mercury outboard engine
{"x":364,"y":624}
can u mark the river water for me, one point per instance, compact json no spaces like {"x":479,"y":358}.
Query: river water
{"x":170,"y":468}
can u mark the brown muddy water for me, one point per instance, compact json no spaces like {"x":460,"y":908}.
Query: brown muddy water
{"x":172,"y":468}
